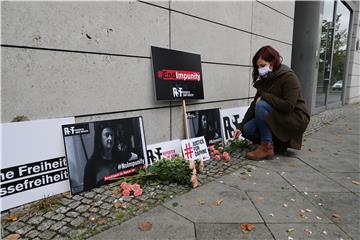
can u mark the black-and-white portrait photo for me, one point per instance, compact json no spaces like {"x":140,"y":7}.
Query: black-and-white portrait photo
{"x":107,"y":150}
{"x":205,"y":123}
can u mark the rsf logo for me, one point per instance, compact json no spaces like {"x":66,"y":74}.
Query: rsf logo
{"x":69,"y":131}
{"x":177,"y":92}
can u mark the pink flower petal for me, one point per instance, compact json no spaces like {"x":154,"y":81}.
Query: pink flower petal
{"x":126,"y":192}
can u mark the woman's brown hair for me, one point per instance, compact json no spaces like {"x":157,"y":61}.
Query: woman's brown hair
{"x":269,"y":54}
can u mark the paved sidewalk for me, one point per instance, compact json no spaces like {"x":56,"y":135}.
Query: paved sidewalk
{"x":307,"y":194}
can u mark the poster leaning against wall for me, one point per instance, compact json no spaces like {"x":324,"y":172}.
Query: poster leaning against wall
{"x":100,"y":151}
{"x":33,"y":163}
{"x":205,"y":123}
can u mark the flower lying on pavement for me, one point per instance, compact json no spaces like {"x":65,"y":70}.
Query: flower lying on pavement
{"x":226,"y":156}
{"x":194,"y":181}
{"x":128,"y":188}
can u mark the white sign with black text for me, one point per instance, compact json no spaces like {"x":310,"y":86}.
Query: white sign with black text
{"x":33,"y":163}
{"x":230,"y":118}
{"x":195,"y":148}
{"x":167,"y":149}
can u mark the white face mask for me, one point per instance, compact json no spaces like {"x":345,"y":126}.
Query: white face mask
{"x":264,"y":71}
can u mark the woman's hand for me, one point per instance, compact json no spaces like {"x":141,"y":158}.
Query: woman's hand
{"x":237,"y":134}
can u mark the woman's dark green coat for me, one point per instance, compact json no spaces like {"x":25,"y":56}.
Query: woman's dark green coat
{"x":289,"y":118}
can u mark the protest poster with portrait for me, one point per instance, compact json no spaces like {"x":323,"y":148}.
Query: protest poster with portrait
{"x":195,"y":148}
{"x":167,"y":149}
{"x":230,"y":119}
{"x":205,"y":123}
{"x":177,"y":74}
{"x":33,"y":163}
{"x":100,"y":151}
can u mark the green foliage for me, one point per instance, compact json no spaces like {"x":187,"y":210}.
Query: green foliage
{"x":236,"y":144}
{"x":173,"y":170}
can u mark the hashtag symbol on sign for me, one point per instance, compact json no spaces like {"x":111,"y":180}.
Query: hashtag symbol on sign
{"x":188,"y":151}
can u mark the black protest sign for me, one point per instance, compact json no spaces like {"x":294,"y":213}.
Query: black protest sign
{"x":177,"y":74}
{"x":205,"y":123}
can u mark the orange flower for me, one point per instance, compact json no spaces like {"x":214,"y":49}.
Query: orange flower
{"x":226,"y":156}
{"x":216,"y":152}
{"x":126,"y":192}
{"x":135,"y":187}
{"x":138,"y":192}
{"x":217,"y":158}
{"x":191,"y":164}
{"x":201,"y":169}
{"x":194,"y":181}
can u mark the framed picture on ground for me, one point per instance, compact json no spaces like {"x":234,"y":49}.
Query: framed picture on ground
{"x":100,"y":151}
{"x":205,"y":123}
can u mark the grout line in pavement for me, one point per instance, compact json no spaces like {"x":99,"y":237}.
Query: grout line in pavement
{"x":265,"y":223}
{"x":323,"y":174}
{"x":194,"y":224}
{"x":341,"y":184}
{"x":177,"y":213}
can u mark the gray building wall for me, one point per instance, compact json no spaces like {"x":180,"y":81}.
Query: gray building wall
{"x":92,"y":60}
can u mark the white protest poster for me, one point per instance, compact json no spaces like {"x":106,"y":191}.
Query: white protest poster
{"x":230,"y":118}
{"x":33,"y":163}
{"x":195,"y":148}
{"x":167,"y":149}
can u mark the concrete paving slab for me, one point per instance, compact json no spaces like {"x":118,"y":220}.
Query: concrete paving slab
{"x":331,"y":144}
{"x":336,"y":159}
{"x":345,"y":179}
{"x":349,"y":126}
{"x":341,"y":137}
{"x":230,"y":232}
{"x":353,"y":230}
{"x":165,"y":225}
{"x":325,"y":163}
{"x":345,"y":205}
{"x":283,"y":163}
{"x":257,"y":180}
{"x":314,"y":231}
{"x":272,"y":209}
{"x":313,"y":146}
{"x":199,"y":205}
{"x":313,"y":182}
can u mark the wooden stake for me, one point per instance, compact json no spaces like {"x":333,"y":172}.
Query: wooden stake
{"x":185,"y":120}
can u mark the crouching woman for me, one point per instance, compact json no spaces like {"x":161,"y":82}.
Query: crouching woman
{"x":277,"y":117}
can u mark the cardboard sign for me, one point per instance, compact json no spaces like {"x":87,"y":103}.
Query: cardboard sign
{"x":195,"y":148}
{"x":205,"y":123}
{"x":231,"y":117}
{"x":100,"y":151}
{"x":177,"y":74}
{"x":163,"y":150}
{"x":33,"y":164}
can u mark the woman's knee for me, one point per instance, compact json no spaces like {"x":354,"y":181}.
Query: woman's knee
{"x":262,"y":109}
{"x":262,"y":105}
